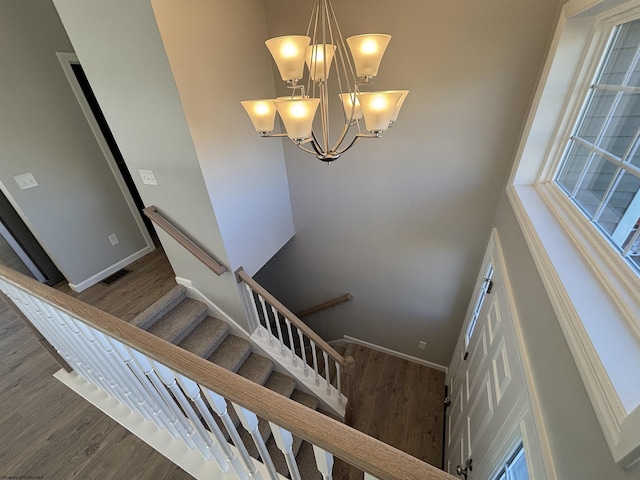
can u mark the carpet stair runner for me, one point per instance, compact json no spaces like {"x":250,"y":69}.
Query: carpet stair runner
{"x":185,"y":322}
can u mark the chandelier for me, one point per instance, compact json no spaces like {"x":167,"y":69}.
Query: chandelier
{"x":363,"y":114}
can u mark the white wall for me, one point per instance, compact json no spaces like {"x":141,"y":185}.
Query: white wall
{"x":400,"y":222}
{"x":217,"y":56}
{"x":43,"y":131}
{"x":119,"y":46}
{"x":576,"y":442}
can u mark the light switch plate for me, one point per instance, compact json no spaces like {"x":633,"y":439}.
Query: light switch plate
{"x":148,"y":178}
{"x":26,"y":180}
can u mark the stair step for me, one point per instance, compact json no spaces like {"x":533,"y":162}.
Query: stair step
{"x":307,"y":463}
{"x":180,"y":321}
{"x":206,"y":337}
{"x":231,"y":353}
{"x":256,"y":368}
{"x":158,"y":309}
{"x":305,"y":399}
{"x":281,"y":384}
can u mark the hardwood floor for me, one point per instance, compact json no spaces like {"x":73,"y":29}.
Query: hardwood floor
{"x":150,"y":278}
{"x":398,"y":402}
{"x":48,"y":431}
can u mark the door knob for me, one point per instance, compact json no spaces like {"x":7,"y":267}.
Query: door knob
{"x":463,"y":471}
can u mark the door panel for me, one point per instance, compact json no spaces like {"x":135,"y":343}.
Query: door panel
{"x":493,"y":387}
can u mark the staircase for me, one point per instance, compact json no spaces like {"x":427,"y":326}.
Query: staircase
{"x":185,"y":322}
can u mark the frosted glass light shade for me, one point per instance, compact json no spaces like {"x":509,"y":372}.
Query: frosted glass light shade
{"x":347,"y":104}
{"x":289,"y":54}
{"x":316,"y":57}
{"x":396,"y":110}
{"x":297,"y":116}
{"x":367,"y":51}
{"x":262,"y":114}
{"x":377,"y":108}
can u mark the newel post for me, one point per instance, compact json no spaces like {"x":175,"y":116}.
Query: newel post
{"x":349,"y":370}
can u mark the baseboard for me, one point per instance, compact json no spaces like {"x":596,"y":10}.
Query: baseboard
{"x":393,"y":353}
{"x":92,"y":280}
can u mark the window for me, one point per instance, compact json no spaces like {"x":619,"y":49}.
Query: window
{"x":515,"y":468}
{"x":485,"y":288}
{"x":600,"y":170}
{"x":574,"y":192}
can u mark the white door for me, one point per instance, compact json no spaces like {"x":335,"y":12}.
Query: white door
{"x":486,"y":381}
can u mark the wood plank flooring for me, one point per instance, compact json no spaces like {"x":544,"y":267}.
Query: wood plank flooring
{"x":47,"y":430}
{"x":399,"y":403}
{"x":150,"y":278}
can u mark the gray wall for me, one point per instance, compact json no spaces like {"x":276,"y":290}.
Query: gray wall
{"x":216,"y":53}
{"x":400,"y":222}
{"x":576,"y":441}
{"x":119,"y":46}
{"x":43,"y":131}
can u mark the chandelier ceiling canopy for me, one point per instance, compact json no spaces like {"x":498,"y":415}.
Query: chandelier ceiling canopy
{"x":324,"y":53}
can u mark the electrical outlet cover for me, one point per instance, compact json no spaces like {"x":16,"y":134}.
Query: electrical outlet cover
{"x":26,"y":180}
{"x":148,"y":178}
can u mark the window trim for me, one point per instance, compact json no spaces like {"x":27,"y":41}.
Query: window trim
{"x":584,"y":281}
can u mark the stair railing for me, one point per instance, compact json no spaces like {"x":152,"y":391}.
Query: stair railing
{"x":157,"y":218}
{"x":179,"y":392}
{"x":266,"y":312}
{"x":347,"y":297}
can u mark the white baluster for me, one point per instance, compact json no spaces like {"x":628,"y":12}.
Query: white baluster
{"x":277,"y":319}
{"x":291,"y":345}
{"x":324,"y":462}
{"x":118,"y":371}
{"x":68,"y":330}
{"x":221,"y":448}
{"x":327,"y":373}
{"x":161,"y":410}
{"x":181,"y":424}
{"x":315,"y":361}
{"x":266,"y":318}
{"x":249,"y":421}
{"x":304,"y":352}
{"x":219,"y":405}
{"x":253,"y":310}
{"x":284,"y":441}
{"x":200,"y":436}
{"x":50,"y":330}
{"x":141,"y":389}
{"x":368,"y":476}
{"x":339,"y":383}
{"x":102,"y":365}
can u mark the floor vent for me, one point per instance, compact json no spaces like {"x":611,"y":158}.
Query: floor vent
{"x":111,"y":279}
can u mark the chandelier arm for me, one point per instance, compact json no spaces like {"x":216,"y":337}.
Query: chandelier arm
{"x":312,"y":152}
{"x":341,"y":138}
{"x":273,"y":135}
{"x":356,"y":139}
{"x":313,"y":15}
{"x":343,"y":45}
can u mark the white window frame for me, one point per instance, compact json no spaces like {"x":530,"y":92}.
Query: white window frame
{"x":594,"y":292}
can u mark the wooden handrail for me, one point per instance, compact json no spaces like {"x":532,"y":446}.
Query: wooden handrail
{"x":243,"y":277}
{"x":347,"y":297}
{"x":364,"y":452}
{"x":182,"y":239}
